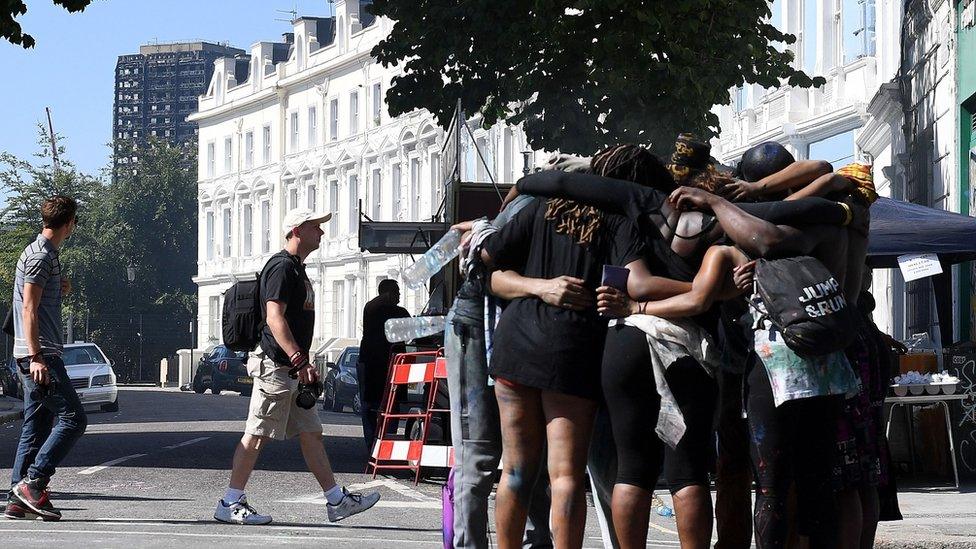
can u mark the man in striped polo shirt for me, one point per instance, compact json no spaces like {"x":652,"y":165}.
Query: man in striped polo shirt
{"x":54,"y":418}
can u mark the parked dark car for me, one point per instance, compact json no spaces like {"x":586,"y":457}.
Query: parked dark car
{"x":10,"y":382}
{"x":341,"y":382}
{"x":221,"y":369}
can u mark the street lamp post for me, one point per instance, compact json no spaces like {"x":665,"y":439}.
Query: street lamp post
{"x":526,"y":160}
{"x":130,"y":274}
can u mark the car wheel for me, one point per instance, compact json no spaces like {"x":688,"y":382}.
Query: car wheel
{"x":357,"y":404}
{"x":199,"y":388}
{"x":111,"y":407}
{"x":335,"y":405}
{"x":215,"y":390}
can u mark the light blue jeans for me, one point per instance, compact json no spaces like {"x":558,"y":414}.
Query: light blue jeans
{"x":476,"y":434}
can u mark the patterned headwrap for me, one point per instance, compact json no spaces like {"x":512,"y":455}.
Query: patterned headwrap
{"x":862,"y":178}
{"x":690,"y":156}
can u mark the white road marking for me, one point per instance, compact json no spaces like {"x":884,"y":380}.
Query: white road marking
{"x":365,"y":485}
{"x":320,"y":500}
{"x":662,"y":529}
{"x":235,"y":536}
{"x":107,"y":464}
{"x":392,"y":484}
{"x":187,"y":443}
{"x":407,"y":491}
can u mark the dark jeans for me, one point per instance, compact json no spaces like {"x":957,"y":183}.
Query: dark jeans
{"x":52,"y":424}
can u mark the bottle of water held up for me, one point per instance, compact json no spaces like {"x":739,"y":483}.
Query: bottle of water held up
{"x":406,"y":329}
{"x":433,"y":259}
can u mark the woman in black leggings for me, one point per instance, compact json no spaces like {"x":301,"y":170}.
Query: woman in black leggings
{"x":633,"y":402}
{"x":630,"y":391}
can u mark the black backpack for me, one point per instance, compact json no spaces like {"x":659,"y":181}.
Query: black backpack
{"x":806,"y":304}
{"x":243,"y":314}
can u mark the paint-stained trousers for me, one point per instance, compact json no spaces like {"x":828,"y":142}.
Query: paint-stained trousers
{"x":476,"y":432}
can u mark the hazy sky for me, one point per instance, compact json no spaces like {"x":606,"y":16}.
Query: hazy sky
{"x":71,"y":69}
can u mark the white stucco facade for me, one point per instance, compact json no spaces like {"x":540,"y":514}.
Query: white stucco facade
{"x":858,"y":114}
{"x":308,"y":126}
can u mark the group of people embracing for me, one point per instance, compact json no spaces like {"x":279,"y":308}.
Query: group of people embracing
{"x":676,"y":371}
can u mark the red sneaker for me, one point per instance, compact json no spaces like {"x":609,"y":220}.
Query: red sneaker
{"x":33,"y":495}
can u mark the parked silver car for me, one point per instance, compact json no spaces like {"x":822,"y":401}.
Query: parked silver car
{"x":91,"y":375}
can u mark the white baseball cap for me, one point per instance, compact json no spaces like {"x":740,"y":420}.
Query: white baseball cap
{"x":298,"y":216}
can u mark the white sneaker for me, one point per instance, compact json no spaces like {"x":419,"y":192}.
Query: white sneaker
{"x":239,"y":512}
{"x":351,"y":504}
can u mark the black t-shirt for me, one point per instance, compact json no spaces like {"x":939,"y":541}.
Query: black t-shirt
{"x":374,"y":350}
{"x":283,"y":279}
{"x":545,"y":346}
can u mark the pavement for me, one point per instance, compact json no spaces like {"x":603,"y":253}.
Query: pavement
{"x":150,"y":476}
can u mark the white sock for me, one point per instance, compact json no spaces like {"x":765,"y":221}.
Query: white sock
{"x":334,"y":495}
{"x":232,"y":495}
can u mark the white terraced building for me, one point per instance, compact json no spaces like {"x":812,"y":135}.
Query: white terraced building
{"x":855,"y":46}
{"x":303,"y":123}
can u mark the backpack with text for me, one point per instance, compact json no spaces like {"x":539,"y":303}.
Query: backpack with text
{"x":243,"y":317}
{"x":806,"y":304}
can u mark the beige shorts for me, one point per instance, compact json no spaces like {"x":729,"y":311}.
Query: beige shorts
{"x":273,"y":412}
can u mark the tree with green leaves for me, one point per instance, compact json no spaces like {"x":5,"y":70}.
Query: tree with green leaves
{"x":27,"y":183}
{"x":145,"y":220}
{"x":10,"y":10}
{"x":583,"y":74}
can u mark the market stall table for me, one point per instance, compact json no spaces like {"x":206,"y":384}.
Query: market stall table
{"x":913,"y":400}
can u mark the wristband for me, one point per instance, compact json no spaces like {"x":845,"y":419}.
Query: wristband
{"x":299,"y":359}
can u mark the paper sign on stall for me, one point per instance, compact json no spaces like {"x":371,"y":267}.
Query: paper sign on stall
{"x":916,"y":266}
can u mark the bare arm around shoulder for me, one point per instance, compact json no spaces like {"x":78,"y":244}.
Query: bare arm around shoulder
{"x":755,"y":236}
{"x":797,"y":175}
{"x":822,"y":186}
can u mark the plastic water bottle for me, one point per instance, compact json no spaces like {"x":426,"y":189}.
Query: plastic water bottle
{"x":661,"y":508}
{"x":433,"y":260}
{"x":405,"y":329}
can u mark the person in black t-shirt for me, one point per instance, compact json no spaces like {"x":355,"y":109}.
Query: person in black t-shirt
{"x":546,"y":357}
{"x":374,"y":353}
{"x":288,"y":301}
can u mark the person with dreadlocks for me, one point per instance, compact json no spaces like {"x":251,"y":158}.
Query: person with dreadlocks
{"x":548,"y":349}
{"x":660,"y":387}
{"x":631,"y":390}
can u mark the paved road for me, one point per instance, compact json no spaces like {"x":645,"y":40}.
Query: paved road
{"x":150,"y":475}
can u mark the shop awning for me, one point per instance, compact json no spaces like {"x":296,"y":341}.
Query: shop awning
{"x":899,"y":228}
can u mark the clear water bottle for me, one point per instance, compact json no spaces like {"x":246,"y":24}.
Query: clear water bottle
{"x":662,"y":509}
{"x":433,"y":260}
{"x":406,"y":329}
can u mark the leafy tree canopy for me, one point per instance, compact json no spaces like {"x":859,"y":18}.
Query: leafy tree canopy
{"x":583,"y":74}
{"x":10,"y":10}
{"x":145,"y":219}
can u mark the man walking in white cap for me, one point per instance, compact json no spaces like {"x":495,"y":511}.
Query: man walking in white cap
{"x":283,"y":363}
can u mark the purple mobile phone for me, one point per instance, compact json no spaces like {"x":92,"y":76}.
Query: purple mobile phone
{"x":615,"y":277}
